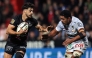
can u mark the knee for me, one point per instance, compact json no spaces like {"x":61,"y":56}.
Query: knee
{"x":68,"y":55}
{"x":19,"y":55}
{"x":77,"y":54}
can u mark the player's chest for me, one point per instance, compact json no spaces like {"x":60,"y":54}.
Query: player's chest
{"x":71,"y":29}
{"x":30,"y":23}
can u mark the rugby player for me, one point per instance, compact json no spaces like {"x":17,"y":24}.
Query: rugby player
{"x":17,"y":44}
{"x":76,"y":40}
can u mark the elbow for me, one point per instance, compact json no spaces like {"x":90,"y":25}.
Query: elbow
{"x":82,"y":35}
{"x":7,"y":31}
{"x":51,"y":34}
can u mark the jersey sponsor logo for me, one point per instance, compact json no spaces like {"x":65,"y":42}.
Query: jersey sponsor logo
{"x":9,"y":48}
{"x":69,"y":46}
{"x":12,"y":21}
{"x":79,"y":24}
{"x":22,"y":47}
{"x":79,"y":45}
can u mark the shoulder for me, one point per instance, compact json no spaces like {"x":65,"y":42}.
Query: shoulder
{"x":60,"y":23}
{"x":35,"y":22}
{"x":60,"y":26}
{"x":34,"y":19}
{"x":78,"y":22}
{"x":17,"y":17}
{"x":75,"y":19}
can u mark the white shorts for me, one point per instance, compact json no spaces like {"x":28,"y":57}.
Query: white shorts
{"x":80,"y":46}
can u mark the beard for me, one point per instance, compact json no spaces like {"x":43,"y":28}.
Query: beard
{"x":29,"y":16}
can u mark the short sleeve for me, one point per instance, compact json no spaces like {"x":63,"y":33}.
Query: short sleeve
{"x":79,"y":25}
{"x":13,"y":21}
{"x":60,"y":26}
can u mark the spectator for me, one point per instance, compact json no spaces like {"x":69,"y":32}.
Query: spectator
{"x":7,"y":9}
{"x":50,"y":14}
{"x":33,"y":34}
{"x":47,"y":44}
{"x":3,"y":35}
{"x":89,"y":4}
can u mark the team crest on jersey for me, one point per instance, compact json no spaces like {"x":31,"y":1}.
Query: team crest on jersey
{"x":73,"y":27}
{"x":12,"y":21}
{"x":29,"y":24}
{"x":73,"y":30}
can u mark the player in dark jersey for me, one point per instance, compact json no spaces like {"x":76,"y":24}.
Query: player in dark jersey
{"x":17,"y":44}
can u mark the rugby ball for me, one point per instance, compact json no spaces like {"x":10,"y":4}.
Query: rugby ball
{"x":23,"y":26}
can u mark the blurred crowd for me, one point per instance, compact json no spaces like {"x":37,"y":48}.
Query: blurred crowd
{"x":47,"y":13}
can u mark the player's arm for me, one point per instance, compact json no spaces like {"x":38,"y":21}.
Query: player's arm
{"x":41,"y":29}
{"x":53,"y":33}
{"x":10,"y":30}
{"x":49,"y":34}
{"x":81,"y":35}
{"x":81,"y":32}
{"x":38,"y":26}
{"x":56,"y":30}
{"x":11,"y":26}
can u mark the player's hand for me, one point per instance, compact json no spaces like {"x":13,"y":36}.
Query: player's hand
{"x":41,"y":29}
{"x":44,"y":35}
{"x":21,"y":32}
{"x":49,"y":28}
{"x":67,"y":41}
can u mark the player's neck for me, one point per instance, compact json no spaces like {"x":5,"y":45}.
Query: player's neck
{"x":24,"y":17}
{"x":69,"y":22}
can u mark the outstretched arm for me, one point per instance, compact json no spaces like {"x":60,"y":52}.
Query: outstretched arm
{"x":49,"y":34}
{"x":10,"y":29}
{"x":53,"y":33}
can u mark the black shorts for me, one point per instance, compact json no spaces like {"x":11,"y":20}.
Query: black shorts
{"x":11,"y":48}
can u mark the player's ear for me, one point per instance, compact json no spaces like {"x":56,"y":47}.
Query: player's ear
{"x":25,"y":11}
{"x":69,"y":18}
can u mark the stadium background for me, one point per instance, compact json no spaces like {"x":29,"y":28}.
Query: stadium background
{"x":46,"y":12}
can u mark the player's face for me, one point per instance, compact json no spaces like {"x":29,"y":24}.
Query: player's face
{"x":64,"y":20}
{"x":29,"y":12}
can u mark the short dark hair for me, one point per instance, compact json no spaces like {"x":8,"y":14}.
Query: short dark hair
{"x":65,"y":13}
{"x":27,"y":5}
